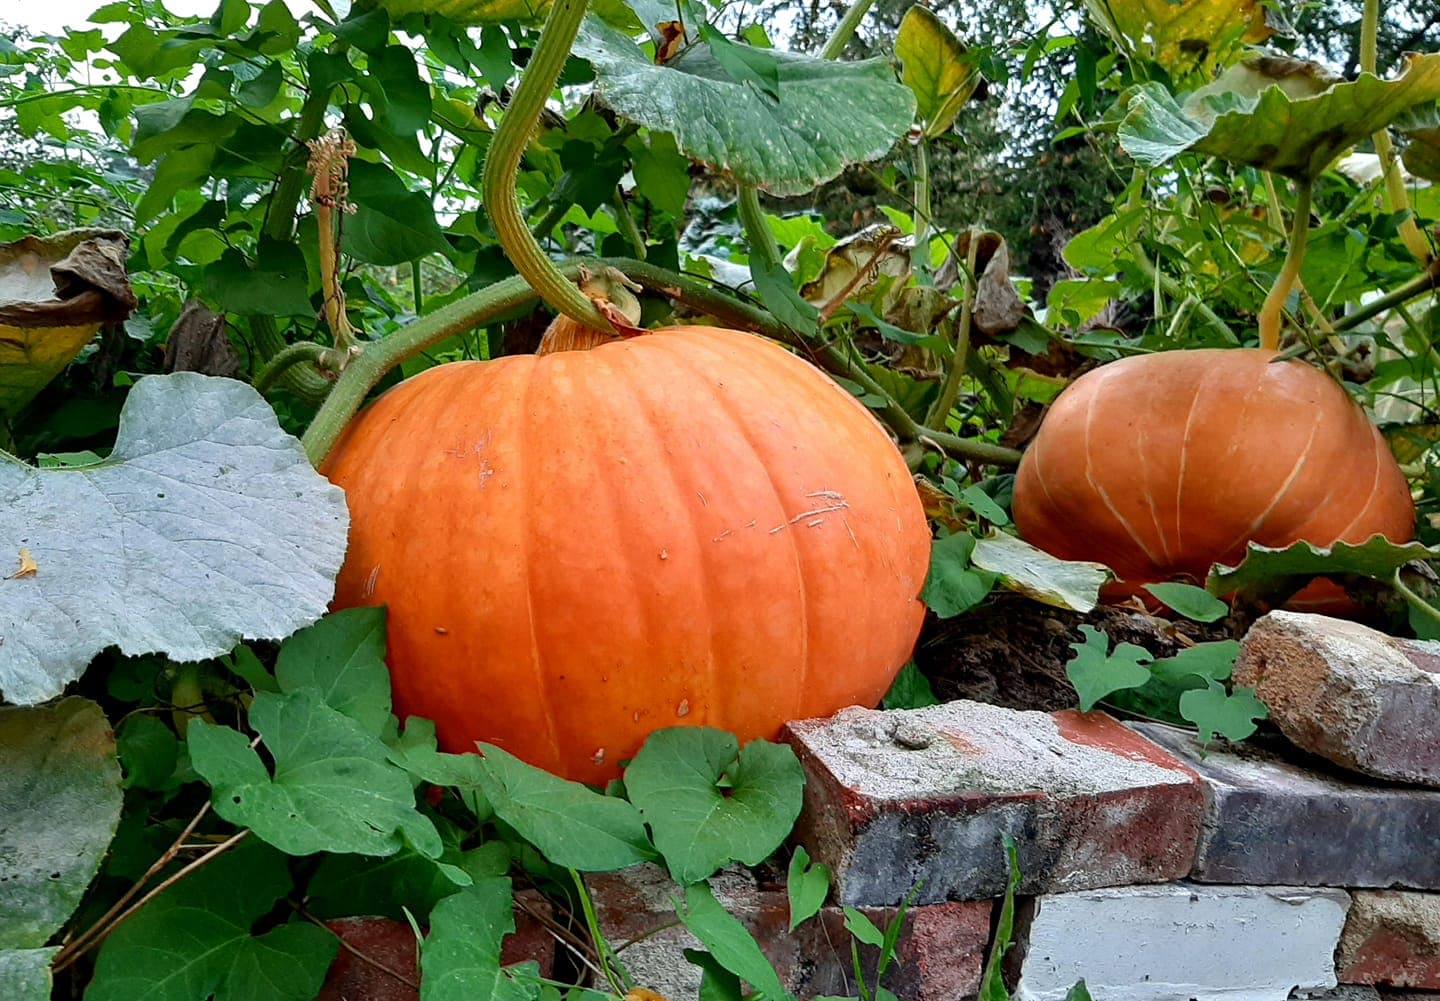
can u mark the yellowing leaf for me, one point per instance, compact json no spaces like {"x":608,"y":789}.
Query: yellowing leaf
{"x":27,"y":566}
{"x":935,"y":68}
{"x":1186,"y":36}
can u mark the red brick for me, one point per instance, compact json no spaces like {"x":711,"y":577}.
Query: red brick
{"x":1364,"y":700}
{"x":1392,"y":937}
{"x":896,"y":799}
{"x":939,"y":953}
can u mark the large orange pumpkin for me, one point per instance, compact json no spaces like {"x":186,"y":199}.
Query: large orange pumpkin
{"x":1160,"y":465}
{"x":692,"y":526}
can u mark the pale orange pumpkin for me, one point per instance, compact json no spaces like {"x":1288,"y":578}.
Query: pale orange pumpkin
{"x":692,"y":526}
{"x":1161,"y":465}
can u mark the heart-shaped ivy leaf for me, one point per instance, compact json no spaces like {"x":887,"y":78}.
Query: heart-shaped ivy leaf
{"x":333,"y":789}
{"x":194,"y":940}
{"x":205,"y":525}
{"x":707,"y":805}
{"x":827,"y":115}
{"x":1096,"y":672}
{"x":460,"y":958}
{"x":1253,"y":116}
{"x":571,"y":824}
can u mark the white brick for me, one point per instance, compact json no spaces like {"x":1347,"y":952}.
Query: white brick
{"x":1183,"y":942}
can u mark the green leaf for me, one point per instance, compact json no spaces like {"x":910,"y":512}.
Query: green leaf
{"x":343,"y":658}
{"x":1258,"y":124}
{"x":698,"y":826}
{"x":195,"y":940}
{"x":1171,"y":677}
{"x":744,"y":63}
{"x":59,"y":807}
{"x":206,"y":524}
{"x":333,"y":788}
{"x":260,"y":90}
{"x":1078,"y":993}
{"x":661,"y":174}
{"x":1190,"y":601}
{"x":729,"y":942}
{"x":952,"y":585}
{"x":829,"y":114}
{"x":992,"y":983}
{"x":460,"y":958}
{"x":1262,"y":567}
{"x":469,"y":11}
{"x":275,"y":285}
{"x":572,"y":825}
{"x":1096,"y":673}
{"x":806,"y":886}
{"x":1230,"y":714}
{"x":149,"y":750}
{"x":407,"y":96}
{"x":984,"y":505}
{"x":863,"y":928}
{"x":910,"y":690}
{"x":779,"y":295}
{"x":935,"y":68}
{"x":716,"y":982}
{"x":359,"y":884}
{"x":392,"y":224}
{"x":1021,"y":567}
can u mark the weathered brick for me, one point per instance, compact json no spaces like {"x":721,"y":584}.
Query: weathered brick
{"x":939,"y":953}
{"x":1274,"y":815}
{"x":1342,"y":992}
{"x":925,"y":796}
{"x":1182,"y":942}
{"x":1352,"y":695}
{"x":1392,"y":937}
{"x":391,"y":944}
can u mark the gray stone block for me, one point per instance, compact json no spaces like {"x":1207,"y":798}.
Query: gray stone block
{"x":1271,"y":818}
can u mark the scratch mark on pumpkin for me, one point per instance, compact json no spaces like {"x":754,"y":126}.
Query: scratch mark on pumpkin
{"x":813,"y":524}
{"x":722,"y":536}
{"x":703,"y":501}
{"x":370,"y":581}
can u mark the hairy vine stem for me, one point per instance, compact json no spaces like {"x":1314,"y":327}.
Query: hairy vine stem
{"x":502,"y":165}
{"x":940,"y":412}
{"x":365,"y":372}
{"x":1269,"y":321}
{"x":1396,"y":197}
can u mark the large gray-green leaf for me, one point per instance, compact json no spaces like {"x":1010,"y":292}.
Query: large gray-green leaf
{"x":1376,"y":557}
{"x":1264,"y":119}
{"x":59,"y":806}
{"x":26,"y":973}
{"x":205,"y":525}
{"x":1021,"y":567}
{"x":828,"y":114}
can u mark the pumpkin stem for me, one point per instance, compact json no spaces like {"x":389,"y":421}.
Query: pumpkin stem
{"x":502,"y":165}
{"x":1289,"y":272}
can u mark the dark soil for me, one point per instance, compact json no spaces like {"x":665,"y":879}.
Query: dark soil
{"x":1012,"y":651}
